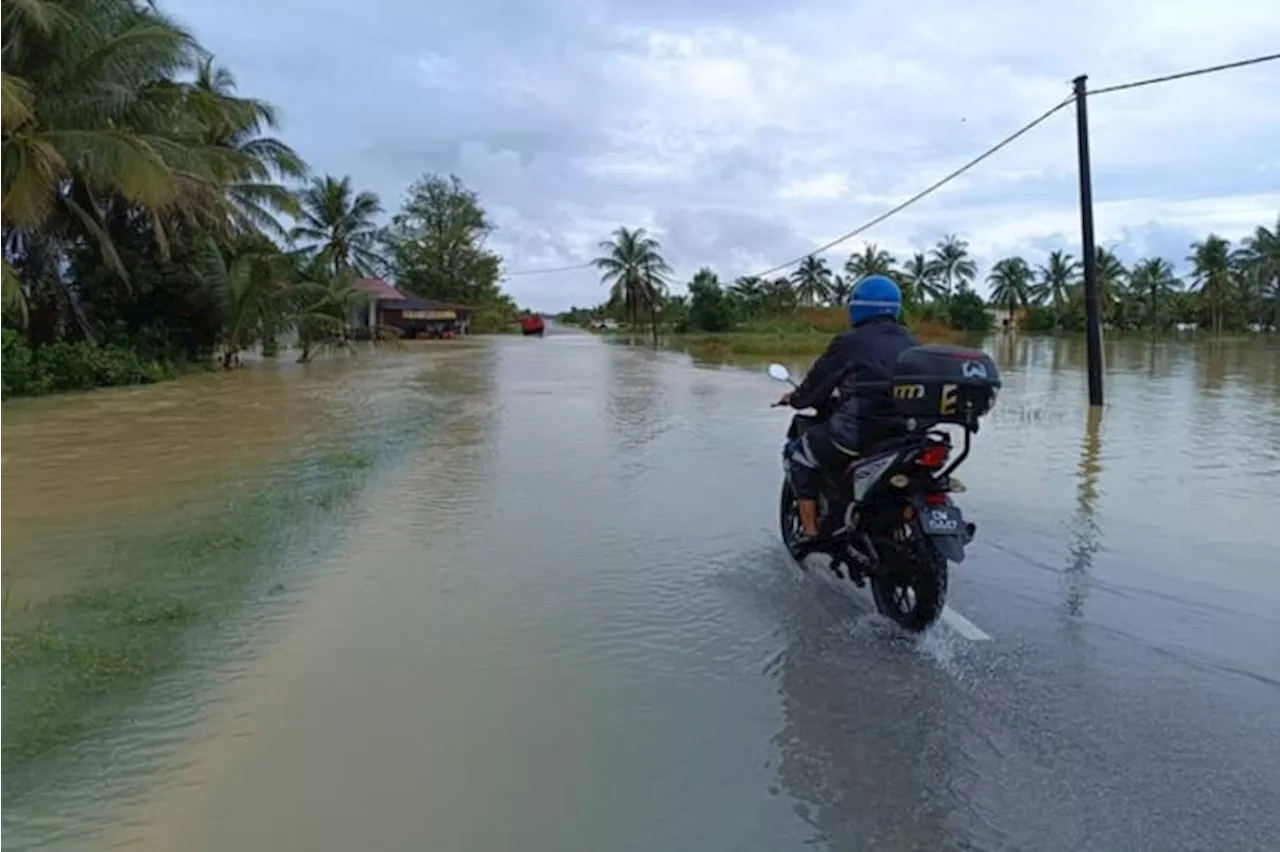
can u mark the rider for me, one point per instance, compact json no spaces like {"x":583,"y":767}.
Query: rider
{"x":865,"y":353}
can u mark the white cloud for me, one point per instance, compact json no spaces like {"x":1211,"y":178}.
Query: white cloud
{"x":436,"y":71}
{"x":825,"y":186}
{"x":745,"y":133}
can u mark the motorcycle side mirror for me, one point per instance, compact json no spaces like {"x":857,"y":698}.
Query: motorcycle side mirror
{"x":779,"y":373}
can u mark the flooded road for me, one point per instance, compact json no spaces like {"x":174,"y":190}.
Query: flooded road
{"x":552,"y":613}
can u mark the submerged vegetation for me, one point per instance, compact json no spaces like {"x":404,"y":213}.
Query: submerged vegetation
{"x":151,"y":219}
{"x":133,"y":608}
{"x":122,"y":627}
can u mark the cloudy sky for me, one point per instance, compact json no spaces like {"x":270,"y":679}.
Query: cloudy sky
{"x":746,"y":132}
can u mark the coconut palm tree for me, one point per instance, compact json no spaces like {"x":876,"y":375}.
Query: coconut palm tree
{"x":322,"y":306}
{"x":812,"y":280}
{"x":1112,"y":276}
{"x":779,"y":295}
{"x":872,"y":260}
{"x":1250,"y":291}
{"x":254,"y":289}
{"x":337,"y":220}
{"x":747,"y":287}
{"x":1259,"y":257}
{"x":1211,"y":276}
{"x":1011,"y":282}
{"x":259,"y":164}
{"x":633,"y":267}
{"x":748,"y":292}
{"x":840,"y":291}
{"x":952,"y":264}
{"x":920,"y":279}
{"x":87,"y":119}
{"x":99,"y":137}
{"x":1058,"y":278}
{"x":1152,"y":283}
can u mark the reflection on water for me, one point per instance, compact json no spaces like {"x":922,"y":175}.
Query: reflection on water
{"x":636,"y":403}
{"x":556,"y":616}
{"x":1085,"y":535}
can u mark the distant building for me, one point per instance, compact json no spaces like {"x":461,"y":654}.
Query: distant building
{"x":411,"y":316}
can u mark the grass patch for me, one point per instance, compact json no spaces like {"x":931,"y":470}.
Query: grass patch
{"x":760,"y":343}
{"x":348,"y":460}
{"x":57,"y":668}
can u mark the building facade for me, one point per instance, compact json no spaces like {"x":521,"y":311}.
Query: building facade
{"x":410,"y":316}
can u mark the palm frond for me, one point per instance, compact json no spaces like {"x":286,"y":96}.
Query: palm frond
{"x":15,"y":102}
{"x":33,"y":168}
{"x":89,"y":221}
{"x":14,"y":299}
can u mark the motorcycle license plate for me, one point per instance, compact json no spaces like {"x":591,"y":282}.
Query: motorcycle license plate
{"x":942,"y":520}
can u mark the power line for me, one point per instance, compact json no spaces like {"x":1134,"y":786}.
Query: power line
{"x":922,"y":193}
{"x":929,"y":190}
{"x":1151,"y":81}
{"x":573,"y":268}
{"x":876,"y":221}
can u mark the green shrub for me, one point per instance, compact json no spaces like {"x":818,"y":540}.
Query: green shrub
{"x":65,"y":366}
{"x":16,"y":370}
{"x":967,"y":311}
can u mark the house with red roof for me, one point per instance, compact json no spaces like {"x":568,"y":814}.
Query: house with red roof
{"x":411,"y":316}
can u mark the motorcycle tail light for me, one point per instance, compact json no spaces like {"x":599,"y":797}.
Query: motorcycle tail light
{"x":932,"y":457}
{"x":937,"y":498}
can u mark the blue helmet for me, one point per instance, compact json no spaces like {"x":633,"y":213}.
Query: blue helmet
{"x":873,"y":296}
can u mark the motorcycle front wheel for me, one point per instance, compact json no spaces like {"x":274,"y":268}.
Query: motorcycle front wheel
{"x":913,"y":600}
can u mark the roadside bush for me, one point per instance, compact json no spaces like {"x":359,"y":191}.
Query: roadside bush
{"x":15,"y":364}
{"x":709,"y":307}
{"x":1040,"y":319}
{"x":493,"y":318}
{"x":65,"y":366}
{"x":967,"y":311}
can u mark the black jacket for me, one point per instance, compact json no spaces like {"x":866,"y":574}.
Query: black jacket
{"x":865,"y":353}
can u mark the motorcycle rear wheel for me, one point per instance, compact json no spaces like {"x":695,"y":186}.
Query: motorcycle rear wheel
{"x":914,"y":600}
{"x":789,"y":518}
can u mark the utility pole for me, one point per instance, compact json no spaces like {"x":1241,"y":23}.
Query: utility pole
{"x":1092,"y":307}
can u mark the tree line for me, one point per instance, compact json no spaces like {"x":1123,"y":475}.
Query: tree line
{"x":1229,"y":287}
{"x":151,"y":219}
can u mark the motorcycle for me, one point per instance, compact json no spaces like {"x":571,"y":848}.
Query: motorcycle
{"x":889,"y":518}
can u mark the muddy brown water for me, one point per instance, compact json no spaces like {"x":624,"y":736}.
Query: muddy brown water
{"x":550,"y":613}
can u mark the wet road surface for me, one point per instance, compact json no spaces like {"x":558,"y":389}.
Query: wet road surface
{"x":561,"y":620}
